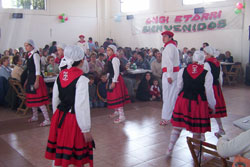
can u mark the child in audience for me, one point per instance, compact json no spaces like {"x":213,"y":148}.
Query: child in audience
{"x":194,"y":86}
{"x":213,"y":65}
{"x":52,"y":68}
{"x":155,"y":91}
{"x":92,"y":92}
{"x":102,"y":91}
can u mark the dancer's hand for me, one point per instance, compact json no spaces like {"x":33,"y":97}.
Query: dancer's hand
{"x":88,"y":137}
{"x":36,"y":85}
{"x":170,"y":80}
{"x":112,"y":86}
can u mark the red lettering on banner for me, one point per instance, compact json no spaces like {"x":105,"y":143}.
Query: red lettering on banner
{"x":196,"y":17}
{"x":205,"y":16}
{"x":148,"y":21}
{"x":213,"y":15}
{"x":219,"y":14}
{"x":155,"y":20}
{"x":187,"y":17}
{"x":178,"y":19}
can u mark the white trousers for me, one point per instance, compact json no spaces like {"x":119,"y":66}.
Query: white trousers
{"x":169,"y":95}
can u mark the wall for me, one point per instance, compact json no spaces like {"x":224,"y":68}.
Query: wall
{"x":44,"y":27}
{"x":229,"y":39}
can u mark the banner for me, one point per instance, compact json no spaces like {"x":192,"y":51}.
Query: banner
{"x":219,"y":19}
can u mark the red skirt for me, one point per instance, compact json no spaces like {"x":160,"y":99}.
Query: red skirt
{"x":66,"y":145}
{"x":119,"y":95}
{"x":40,"y":97}
{"x":220,"y":107}
{"x":191,"y":114}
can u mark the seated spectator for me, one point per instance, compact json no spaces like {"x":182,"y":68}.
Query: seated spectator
{"x":188,"y":59}
{"x":142,"y":62}
{"x":143,"y":90}
{"x":52,"y":68}
{"x":151,"y":56}
{"x":102,"y":91}
{"x":100,"y":61}
{"x":156,"y":65}
{"x":60,"y":52}
{"x":6,"y":53}
{"x":221,"y":57}
{"x":96,"y":46}
{"x":240,"y":145}
{"x":18,"y":70}
{"x":44,"y":58}
{"x":122,"y":57}
{"x":92,"y":92}
{"x":228,"y":57}
{"x":93,"y":65}
{"x":155,"y":91}
{"x":5,"y":70}
{"x":106,"y":44}
{"x":52,"y":49}
{"x":91,"y":44}
{"x":133,"y":59}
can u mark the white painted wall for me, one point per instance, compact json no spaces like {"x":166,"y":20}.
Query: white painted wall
{"x":44,"y":26}
{"x":234,"y":40}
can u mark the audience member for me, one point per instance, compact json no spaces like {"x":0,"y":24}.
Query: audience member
{"x":155,"y":91}
{"x":102,"y":91}
{"x":91,"y":44}
{"x":142,"y":61}
{"x":5,"y":70}
{"x":18,"y":70}
{"x":52,"y":68}
{"x":92,"y":92}
{"x":143,"y":91}
{"x":228,"y":57}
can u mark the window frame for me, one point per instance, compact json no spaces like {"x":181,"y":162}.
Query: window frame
{"x":138,"y":11}
{"x":203,"y":2}
{"x":22,"y":8}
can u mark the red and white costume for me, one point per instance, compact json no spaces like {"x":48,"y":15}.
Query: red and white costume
{"x":213,"y":65}
{"x":71,"y":118}
{"x":194,"y":85}
{"x":84,"y":45}
{"x":118,"y":96}
{"x":155,"y":91}
{"x":170,"y":68}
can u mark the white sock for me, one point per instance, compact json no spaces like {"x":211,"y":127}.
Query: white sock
{"x":218,"y":120}
{"x":45,"y":112}
{"x":175,"y":134}
{"x":121,"y":112}
{"x":35,"y":113}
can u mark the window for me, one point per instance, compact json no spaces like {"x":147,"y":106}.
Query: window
{"x":131,"y":6}
{"x":24,"y":4}
{"x":194,"y":2}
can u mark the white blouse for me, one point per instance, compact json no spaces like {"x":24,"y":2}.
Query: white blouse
{"x":116,"y":67}
{"x":170,"y":59}
{"x":82,"y":107}
{"x":37,"y":59}
{"x":208,"y":87}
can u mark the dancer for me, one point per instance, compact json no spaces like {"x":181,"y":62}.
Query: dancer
{"x":191,"y":109}
{"x":170,"y":67}
{"x":117,"y":95}
{"x":213,"y":65}
{"x":70,"y":140}
{"x":36,"y":90}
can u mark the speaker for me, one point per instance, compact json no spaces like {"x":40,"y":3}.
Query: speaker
{"x":199,"y":10}
{"x":130,"y":17}
{"x":17,"y":15}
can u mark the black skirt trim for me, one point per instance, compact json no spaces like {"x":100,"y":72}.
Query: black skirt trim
{"x":119,"y":102}
{"x":205,"y":119}
{"x":191,"y":124}
{"x":38,"y":101}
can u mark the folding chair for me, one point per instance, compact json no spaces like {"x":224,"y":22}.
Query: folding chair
{"x":205,"y":147}
{"x":16,"y":85}
{"x":233,"y":75}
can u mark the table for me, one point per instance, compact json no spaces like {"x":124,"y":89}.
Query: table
{"x":50,"y":79}
{"x":138,"y":71}
{"x":226,"y":63}
{"x":243,"y":123}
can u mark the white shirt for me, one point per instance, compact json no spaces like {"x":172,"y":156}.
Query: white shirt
{"x":208,"y":68}
{"x":82,"y":107}
{"x":208,"y":87}
{"x":85,"y":67}
{"x":116,"y":67}
{"x":83,"y":45}
{"x":37,"y":59}
{"x":240,"y":145}
{"x":170,"y":59}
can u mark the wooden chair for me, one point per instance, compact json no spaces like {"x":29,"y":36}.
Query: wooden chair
{"x":205,"y":147}
{"x":16,"y":85}
{"x":232,"y":76}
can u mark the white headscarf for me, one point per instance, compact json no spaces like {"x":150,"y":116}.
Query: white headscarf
{"x":71,"y":54}
{"x":199,"y":57}
{"x":113,"y":47}
{"x":209,"y":50}
{"x":31,"y":42}
{"x":61,"y":45}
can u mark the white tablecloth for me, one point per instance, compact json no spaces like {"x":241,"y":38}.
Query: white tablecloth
{"x":226,"y":63}
{"x":243,"y":123}
{"x":138,"y":71}
{"x":50,"y":79}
